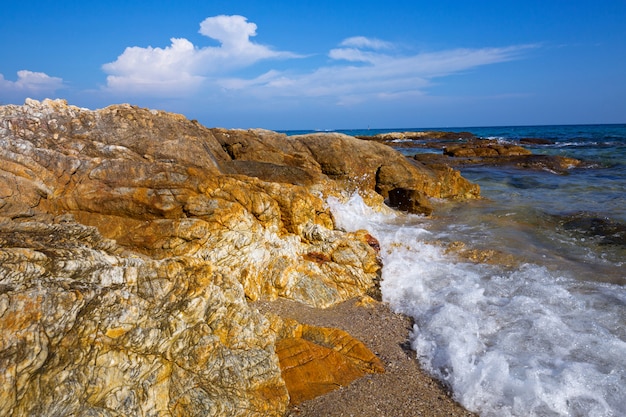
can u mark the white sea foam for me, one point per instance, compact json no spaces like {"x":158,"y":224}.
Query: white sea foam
{"x":522,"y":342}
{"x":501,"y":140}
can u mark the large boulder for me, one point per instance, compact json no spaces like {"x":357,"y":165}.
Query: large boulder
{"x":162,"y":186}
{"x":132,"y":240}
{"x":353,"y":164}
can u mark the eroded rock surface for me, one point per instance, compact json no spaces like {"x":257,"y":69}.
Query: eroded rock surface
{"x":131,"y":241}
{"x":89,"y":329}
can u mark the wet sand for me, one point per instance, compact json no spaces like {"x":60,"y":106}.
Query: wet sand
{"x":403,"y":390}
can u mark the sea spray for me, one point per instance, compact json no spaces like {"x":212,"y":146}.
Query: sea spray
{"x":523,"y":341}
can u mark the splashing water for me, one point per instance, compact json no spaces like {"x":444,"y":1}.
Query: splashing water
{"x":521,"y":341}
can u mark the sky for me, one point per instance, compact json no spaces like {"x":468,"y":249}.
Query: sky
{"x":324,"y":64}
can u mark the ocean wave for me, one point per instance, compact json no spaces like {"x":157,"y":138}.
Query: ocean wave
{"x":520,"y":341}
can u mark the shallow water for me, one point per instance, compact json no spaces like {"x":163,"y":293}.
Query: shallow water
{"x":545,"y":336}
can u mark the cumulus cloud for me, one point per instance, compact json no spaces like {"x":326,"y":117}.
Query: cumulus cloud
{"x":29,"y":82}
{"x":157,"y":70}
{"x":182,"y":66}
{"x":360,"y":68}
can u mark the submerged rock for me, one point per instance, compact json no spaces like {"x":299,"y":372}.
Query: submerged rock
{"x":606,"y":231}
{"x":132,"y":240}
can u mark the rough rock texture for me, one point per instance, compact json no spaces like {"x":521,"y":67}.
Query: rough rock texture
{"x":403,"y":390}
{"x":154,"y":183}
{"x":132,"y":240}
{"x":399,"y":138}
{"x":87,"y":329}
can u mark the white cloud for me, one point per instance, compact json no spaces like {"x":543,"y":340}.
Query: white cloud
{"x":182,"y":67}
{"x":375,"y":75}
{"x":354,"y":55}
{"x":29,"y":82}
{"x":360,"y":49}
{"x":360,"y":68}
{"x":363,"y":42}
{"x":157,"y":70}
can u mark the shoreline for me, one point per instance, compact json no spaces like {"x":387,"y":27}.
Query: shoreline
{"x":404,"y":390}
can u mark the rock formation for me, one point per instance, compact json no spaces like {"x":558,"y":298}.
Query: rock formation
{"x":131,"y":241}
{"x":463,"y":148}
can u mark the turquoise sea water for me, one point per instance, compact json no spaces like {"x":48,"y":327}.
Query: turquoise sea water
{"x":547,"y":335}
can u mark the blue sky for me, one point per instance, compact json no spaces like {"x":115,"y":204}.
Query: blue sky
{"x":325,"y":64}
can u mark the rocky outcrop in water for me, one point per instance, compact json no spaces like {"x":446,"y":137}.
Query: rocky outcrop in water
{"x":411,"y":139}
{"x":132,"y":240}
{"x":460,"y":149}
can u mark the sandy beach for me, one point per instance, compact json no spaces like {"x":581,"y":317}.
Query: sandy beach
{"x":403,"y":390}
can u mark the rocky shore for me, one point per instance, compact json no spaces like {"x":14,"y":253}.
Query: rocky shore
{"x":457,"y":149}
{"x":141,"y":254}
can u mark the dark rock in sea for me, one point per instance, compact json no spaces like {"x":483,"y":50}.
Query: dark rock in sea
{"x":412,"y":201}
{"x":425,"y":139}
{"x":463,"y":148}
{"x":423,"y":135}
{"x":484,"y":149}
{"x":535,"y":141}
{"x":608,"y":231}
{"x":552,"y":163}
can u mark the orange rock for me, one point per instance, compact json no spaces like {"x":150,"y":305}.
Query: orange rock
{"x":316,"y":360}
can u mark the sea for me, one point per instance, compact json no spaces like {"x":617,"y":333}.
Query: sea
{"x":542,"y":335}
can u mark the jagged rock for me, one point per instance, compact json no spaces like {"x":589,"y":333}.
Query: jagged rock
{"x":87,"y":329}
{"x":131,"y":241}
{"x":154,"y":182}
